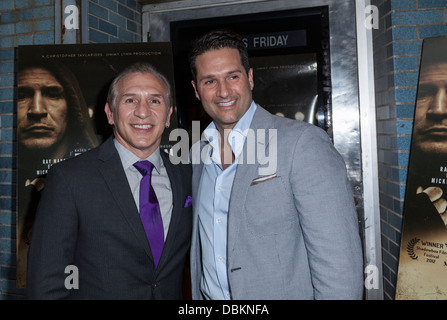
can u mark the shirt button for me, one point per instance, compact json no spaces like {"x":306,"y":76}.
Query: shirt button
{"x":218,"y":220}
{"x":219,"y":258}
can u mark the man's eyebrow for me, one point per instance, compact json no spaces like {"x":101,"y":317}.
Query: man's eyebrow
{"x":152,"y":95}
{"x":234,"y":71}
{"x":44,"y":88}
{"x":211,"y":76}
{"x":40,"y":86}
{"x":429,"y":83}
{"x":53,"y":87}
{"x":156,"y":95}
{"x":207,"y":77}
{"x":128,"y":94}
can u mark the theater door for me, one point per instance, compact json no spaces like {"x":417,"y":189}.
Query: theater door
{"x":309,"y":63}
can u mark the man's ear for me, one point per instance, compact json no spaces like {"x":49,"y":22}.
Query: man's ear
{"x":195,"y":89}
{"x":109,"y":114}
{"x":250,"y":78}
{"x":168,"y":119}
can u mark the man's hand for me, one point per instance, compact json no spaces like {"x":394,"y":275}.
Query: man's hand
{"x":435,"y":194}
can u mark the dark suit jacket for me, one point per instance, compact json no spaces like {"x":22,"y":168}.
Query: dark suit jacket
{"x":88,"y":218}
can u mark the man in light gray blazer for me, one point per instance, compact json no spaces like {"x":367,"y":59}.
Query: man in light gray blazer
{"x":273,"y":211}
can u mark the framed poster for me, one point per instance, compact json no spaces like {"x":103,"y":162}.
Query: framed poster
{"x":62,"y":91}
{"x":423,"y":254}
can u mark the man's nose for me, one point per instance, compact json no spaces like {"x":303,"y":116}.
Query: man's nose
{"x":143,"y":109}
{"x":439,"y":103}
{"x":223,"y":89}
{"x":37,"y":105}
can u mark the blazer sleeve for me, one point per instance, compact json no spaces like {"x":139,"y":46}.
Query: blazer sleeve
{"x":325,"y":205}
{"x":53,"y":240}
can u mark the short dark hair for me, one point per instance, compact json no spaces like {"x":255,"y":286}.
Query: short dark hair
{"x":215,"y":40}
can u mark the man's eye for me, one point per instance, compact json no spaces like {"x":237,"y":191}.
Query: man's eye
{"x":53,"y":93}
{"x":129,"y":100}
{"x":209,"y":83}
{"x":25,"y":93}
{"x":426,"y":91}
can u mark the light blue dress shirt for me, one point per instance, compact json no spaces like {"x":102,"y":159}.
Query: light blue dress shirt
{"x":214,"y":201}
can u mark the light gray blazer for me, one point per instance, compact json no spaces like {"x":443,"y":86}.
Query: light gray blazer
{"x":292,"y":225}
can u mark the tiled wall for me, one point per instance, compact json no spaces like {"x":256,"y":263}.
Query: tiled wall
{"x":114,"y":21}
{"x":397,"y":47}
{"x":27,"y":22}
{"x":20,"y":24}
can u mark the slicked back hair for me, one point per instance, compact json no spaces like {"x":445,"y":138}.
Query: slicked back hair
{"x":139,"y":67}
{"x":215,"y":40}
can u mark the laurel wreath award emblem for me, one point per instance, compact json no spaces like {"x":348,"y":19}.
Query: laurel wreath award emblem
{"x":410,"y":248}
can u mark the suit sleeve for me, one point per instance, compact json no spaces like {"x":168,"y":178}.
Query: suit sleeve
{"x":53,"y":241}
{"x":325,"y":205}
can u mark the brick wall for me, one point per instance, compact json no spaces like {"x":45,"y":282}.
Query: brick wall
{"x":20,"y":24}
{"x":114,"y":21}
{"x":26,"y":22}
{"x":397,"y":47}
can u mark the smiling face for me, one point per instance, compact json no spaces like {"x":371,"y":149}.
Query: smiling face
{"x":41,"y":111}
{"x":140,"y":114}
{"x":430,"y":123}
{"x":223,"y":86}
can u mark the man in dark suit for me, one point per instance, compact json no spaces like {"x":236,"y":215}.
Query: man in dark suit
{"x":88,"y":240}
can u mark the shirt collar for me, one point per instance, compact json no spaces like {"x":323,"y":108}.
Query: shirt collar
{"x":236,"y":138}
{"x":128,"y":158}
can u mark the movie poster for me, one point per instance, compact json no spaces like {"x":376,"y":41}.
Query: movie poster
{"x":287,"y":85}
{"x":423,"y":255}
{"x":61,"y":95}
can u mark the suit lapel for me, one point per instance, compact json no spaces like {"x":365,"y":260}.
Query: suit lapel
{"x":245,"y":173}
{"x":115,"y":178}
{"x":177,"y":192}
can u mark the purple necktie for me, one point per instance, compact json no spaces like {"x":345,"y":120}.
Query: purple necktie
{"x":150,"y":211}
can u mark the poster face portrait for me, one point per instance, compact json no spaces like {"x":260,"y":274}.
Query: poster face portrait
{"x":61,"y":94}
{"x":41,"y":110}
{"x":52,"y":116}
{"x":430,"y":126}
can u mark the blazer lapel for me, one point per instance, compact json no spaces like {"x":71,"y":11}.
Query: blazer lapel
{"x":116,"y":180}
{"x":198,"y":165}
{"x":245,"y":173}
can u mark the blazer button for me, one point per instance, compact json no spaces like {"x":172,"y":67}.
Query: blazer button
{"x":154,"y":285}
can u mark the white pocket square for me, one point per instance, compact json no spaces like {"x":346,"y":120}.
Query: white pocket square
{"x":263,"y":179}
